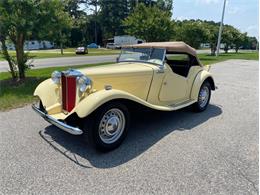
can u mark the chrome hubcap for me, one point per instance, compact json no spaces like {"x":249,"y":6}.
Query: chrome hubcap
{"x":203,"y":96}
{"x":112,"y":126}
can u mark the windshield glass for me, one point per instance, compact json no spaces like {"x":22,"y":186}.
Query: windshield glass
{"x":150,"y":55}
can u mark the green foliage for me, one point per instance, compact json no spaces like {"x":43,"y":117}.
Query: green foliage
{"x":195,"y":32}
{"x":111,"y":16}
{"x":25,"y":19}
{"x":149,"y":23}
{"x":190,"y":31}
{"x":251,"y":43}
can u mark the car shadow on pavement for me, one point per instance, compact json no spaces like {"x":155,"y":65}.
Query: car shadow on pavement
{"x":147,"y":128}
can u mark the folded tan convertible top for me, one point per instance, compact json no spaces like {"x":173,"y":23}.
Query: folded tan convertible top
{"x":169,"y":46}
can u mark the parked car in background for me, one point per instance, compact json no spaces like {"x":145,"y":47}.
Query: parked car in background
{"x":92,"y":45}
{"x":111,"y":46}
{"x":81,"y":50}
{"x":96,"y":101}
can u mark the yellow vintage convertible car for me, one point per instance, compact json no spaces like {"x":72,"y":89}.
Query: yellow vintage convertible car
{"x":96,"y":101}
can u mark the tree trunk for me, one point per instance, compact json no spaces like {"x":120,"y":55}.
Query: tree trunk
{"x":61,"y":43}
{"x":236,"y":49}
{"x":61,"y":48}
{"x":8,"y":58}
{"x":20,"y":55}
{"x":213,"y":50}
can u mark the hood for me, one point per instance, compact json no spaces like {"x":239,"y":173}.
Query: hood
{"x":124,"y":68}
{"x":132,"y":77}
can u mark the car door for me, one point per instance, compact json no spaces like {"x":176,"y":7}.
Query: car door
{"x":175,"y":85}
{"x":174,"y":88}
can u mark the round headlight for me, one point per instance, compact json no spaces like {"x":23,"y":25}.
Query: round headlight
{"x":84,"y":83}
{"x":55,"y":76}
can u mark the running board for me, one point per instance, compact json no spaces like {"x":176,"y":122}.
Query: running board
{"x":182,"y":105}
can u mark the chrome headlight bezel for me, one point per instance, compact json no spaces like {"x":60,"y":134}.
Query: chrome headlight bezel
{"x":84,"y":83}
{"x":56,"y":76}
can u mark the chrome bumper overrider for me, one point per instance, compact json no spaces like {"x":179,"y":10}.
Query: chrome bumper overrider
{"x":57,"y":123}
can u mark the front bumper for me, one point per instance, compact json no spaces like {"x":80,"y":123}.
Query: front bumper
{"x":57,"y":123}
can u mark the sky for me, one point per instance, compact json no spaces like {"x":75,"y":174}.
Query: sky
{"x":242,"y":14}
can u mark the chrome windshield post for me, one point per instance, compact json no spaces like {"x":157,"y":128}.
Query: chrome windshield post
{"x":161,"y":66}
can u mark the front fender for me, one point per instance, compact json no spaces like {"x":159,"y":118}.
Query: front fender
{"x":96,"y":99}
{"x":48,"y":92}
{"x":200,"y":78}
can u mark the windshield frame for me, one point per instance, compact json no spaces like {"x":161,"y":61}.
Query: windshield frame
{"x":142,"y":61}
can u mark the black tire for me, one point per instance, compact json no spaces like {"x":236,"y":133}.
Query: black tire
{"x":92,"y":124}
{"x":198,"y":106}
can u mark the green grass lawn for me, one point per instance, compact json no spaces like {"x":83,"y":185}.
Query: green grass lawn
{"x":67,"y":53}
{"x":16,"y":95}
{"x":207,"y":59}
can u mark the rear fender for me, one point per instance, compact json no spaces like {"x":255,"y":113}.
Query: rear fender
{"x":200,"y":78}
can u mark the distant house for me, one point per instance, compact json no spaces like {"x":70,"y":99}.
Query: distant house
{"x":207,"y":45}
{"x":33,"y":45}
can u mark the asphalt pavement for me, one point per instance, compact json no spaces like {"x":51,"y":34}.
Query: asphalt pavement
{"x":181,"y":152}
{"x":64,"y":61}
{"x":73,"y":61}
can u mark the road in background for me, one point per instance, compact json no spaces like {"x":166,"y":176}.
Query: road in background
{"x":65,"y":61}
{"x":181,"y":152}
{"x":76,"y":60}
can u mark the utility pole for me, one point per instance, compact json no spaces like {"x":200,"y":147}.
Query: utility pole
{"x":220,"y":28}
{"x":96,"y":22}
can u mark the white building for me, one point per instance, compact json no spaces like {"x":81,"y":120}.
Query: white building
{"x":126,"y":40}
{"x":33,"y":45}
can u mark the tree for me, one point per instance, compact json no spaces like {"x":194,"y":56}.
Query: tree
{"x":190,"y":31}
{"x":111,"y":15}
{"x":251,"y":43}
{"x":24,"y":19}
{"x":149,"y":23}
{"x":238,"y":39}
{"x":227,"y":37}
{"x":212,"y":35}
{"x":7,"y":57}
{"x":164,"y":5}
{"x":79,"y":18}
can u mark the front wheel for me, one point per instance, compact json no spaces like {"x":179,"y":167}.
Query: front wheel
{"x":110,"y":126}
{"x":203,"y":97}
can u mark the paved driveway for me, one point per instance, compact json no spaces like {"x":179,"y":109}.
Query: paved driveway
{"x":181,"y":152}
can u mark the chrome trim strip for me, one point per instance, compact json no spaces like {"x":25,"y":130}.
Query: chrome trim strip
{"x":66,"y":88}
{"x":57,"y":123}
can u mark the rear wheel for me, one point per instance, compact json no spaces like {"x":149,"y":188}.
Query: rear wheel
{"x":203,"y":97}
{"x":109,"y":126}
